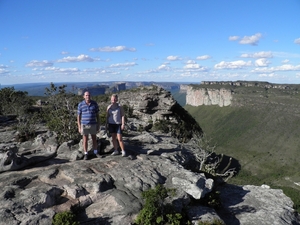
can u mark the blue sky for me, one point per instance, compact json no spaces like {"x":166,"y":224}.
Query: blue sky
{"x":143,"y":40}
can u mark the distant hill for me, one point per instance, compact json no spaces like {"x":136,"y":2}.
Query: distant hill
{"x":261,"y":130}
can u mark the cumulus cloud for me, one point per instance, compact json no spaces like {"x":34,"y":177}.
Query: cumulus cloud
{"x":64,"y":53}
{"x":163,"y":67}
{"x":257,"y":55}
{"x":262,"y":62}
{"x":193,"y":66}
{"x":286,"y":61}
{"x":80,"y":58}
{"x":203,"y":57}
{"x":251,"y":40}
{"x":233,"y":38}
{"x":112,"y":49}
{"x":191,"y":62}
{"x":173,"y":58}
{"x":297,"y":41}
{"x":36,"y":63}
{"x":123,"y":64}
{"x":233,"y":65}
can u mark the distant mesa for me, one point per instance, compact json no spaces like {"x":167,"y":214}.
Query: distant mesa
{"x":221,"y":93}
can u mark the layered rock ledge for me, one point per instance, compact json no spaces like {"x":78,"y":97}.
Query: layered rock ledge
{"x":36,"y":184}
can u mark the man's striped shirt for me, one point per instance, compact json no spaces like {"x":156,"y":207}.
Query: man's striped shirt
{"x":88,"y":112}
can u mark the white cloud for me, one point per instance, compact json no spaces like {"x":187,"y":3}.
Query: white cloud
{"x":262,"y":62}
{"x":286,"y":67}
{"x":286,"y":55}
{"x":3,"y":66}
{"x":148,"y":71}
{"x":233,"y":65}
{"x":35,"y":63}
{"x":267,"y":75}
{"x":57,"y":69}
{"x":173,"y":58}
{"x":113,"y":49}
{"x":257,"y":55}
{"x":80,"y":58}
{"x":191,"y":62}
{"x":297,"y":41}
{"x":192,"y":66}
{"x":203,"y":57}
{"x":64,"y":53}
{"x":164,"y":67}
{"x":286,"y":61}
{"x":250,"y":40}
{"x":67,"y":70}
{"x":190,"y":75}
{"x":123,"y":64}
{"x":233,"y":38}
{"x":3,"y":71}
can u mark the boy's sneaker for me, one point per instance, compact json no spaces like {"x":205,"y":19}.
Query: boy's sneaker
{"x":116,"y":152}
{"x":123,"y":153}
{"x":85,"y":157}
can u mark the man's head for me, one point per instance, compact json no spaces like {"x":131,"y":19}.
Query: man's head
{"x":87,"y":96}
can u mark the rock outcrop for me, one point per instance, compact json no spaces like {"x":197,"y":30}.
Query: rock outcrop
{"x":208,"y":96}
{"x":108,"y":190}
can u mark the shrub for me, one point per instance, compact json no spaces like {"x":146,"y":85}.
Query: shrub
{"x":60,"y":113}
{"x":212,"y":199}
{"x":65,"y":218}
{"x":26,"y":126}
{"x":14,"y":102}
{"x":162,"y":125}
{"x":155,"y":210}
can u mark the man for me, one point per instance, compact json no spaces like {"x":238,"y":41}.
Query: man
{"x":88,"y":122}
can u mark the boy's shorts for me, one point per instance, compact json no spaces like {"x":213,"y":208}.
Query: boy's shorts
{"x":88,"y":129}
{"x":114,"y":128}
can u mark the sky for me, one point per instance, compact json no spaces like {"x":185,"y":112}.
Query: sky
{"x":149,"y":40}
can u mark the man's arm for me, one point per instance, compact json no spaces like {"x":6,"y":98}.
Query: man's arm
{"x":79,"y":123}
{"x":122,"y":118}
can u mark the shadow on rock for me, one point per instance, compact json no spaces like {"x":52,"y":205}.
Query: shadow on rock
{"x":230,"y":196}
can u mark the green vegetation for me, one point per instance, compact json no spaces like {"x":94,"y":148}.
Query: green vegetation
{"x":212,"y":199}
{"x":156,"y":210}
{"x":19,"y":104}
{"x":65,"y":218}
{"x":260,"y":130}
{"x":14,"y":102}
{"x":60,"y":113}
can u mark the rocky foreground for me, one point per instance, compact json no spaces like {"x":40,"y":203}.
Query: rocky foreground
{"x":40,"y":178}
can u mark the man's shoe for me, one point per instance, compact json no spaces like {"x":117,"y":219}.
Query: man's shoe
{"x":85,"y":157}
{"x":124,"y":154}
{"x":116,"y":152}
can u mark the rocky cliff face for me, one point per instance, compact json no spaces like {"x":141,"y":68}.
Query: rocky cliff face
{"x":36,"y":184}
{"x":208,"y":96}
